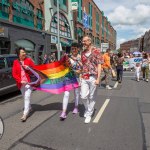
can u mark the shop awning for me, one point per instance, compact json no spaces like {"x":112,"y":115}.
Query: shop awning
{"x":29,"y":46}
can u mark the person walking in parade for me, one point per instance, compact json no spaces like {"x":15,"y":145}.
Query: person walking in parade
{"x":119,"y":66}
{"x":106,"y":68}
{"x":22,"y":76}
{"x":91,"y":60}
{"x":145,"y":67}
{"x":75,"y":64}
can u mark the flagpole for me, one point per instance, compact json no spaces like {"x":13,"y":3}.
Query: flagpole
{"x":58,"y":33}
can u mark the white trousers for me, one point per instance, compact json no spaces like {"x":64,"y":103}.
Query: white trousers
{"x":66,"y":98}
{"x":137,"y":72}
{"x":88,"y":89}
{"x":26,"y":93}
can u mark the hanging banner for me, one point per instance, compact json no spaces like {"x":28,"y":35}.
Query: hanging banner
{"x":85,"y":20}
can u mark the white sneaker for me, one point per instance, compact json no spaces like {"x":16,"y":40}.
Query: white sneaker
{"x":108,"y":87}
{"x":87,"y":119}
{"x":146,"y":80}
{"x":138,"y":80}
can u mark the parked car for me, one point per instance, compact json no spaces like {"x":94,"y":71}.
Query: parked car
{"x":7,"y":83}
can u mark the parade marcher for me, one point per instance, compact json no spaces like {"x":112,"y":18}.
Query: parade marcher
{"x":91,"y":60}
{"x":137,"y":71}
{"x":145,"y":67}
{"x":106,"y":68}
{"x":22,"y":76}
{"x":75,"y":64}
{"x":119,"y":66}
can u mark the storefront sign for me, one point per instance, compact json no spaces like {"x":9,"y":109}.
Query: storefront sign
{"x":22,"y":9}
{"x":53,"y":39}
{"x":104,"y":47}
{"x":3,"y":32}
{"x":74,"y":5}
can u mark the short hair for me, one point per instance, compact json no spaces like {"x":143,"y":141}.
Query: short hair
{"x":75,"y":44}
{"x":18,"y":49}
{"x":108,"y":50}
{"x":120,"y":54}
{"x":88,"y":37}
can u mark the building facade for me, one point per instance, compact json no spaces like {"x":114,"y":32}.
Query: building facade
{"x":66,"y":29}
{"x":98,"y":27}
{"x":146,"y":41}
{"x":131,"y":46}
{"x":22,"y":24}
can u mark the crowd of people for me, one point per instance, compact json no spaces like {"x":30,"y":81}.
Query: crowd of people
{"x":87,"y":64}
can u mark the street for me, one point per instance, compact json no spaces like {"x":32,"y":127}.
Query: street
{"x":121,"y":121}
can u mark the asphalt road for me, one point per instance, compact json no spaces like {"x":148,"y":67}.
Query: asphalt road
{"x":121,"y":121}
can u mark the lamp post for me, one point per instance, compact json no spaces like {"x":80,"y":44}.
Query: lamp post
{"x":58,"y":34}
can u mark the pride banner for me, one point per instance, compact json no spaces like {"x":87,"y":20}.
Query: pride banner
{"x":59,"y":78}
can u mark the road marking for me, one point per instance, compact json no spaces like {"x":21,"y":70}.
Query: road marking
{"x":97,"y":118}
{"x":116,"y":84}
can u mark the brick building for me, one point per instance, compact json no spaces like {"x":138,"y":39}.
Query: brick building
{"x":22,"y":24}
{"x":99,"y":28}
{"x":146,"y":41}
{"x":131,"y":46}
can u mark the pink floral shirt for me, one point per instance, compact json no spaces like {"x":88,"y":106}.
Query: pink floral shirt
{"x":90,"y":63}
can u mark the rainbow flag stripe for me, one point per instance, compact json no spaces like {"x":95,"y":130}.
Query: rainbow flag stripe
{"x":59,"y":78}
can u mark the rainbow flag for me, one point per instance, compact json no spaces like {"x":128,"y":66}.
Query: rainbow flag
{"x":60,"y":78}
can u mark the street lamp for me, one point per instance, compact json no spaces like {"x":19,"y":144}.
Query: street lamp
{"x":58,"y":35}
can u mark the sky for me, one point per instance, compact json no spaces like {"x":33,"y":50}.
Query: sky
{"x":130,"y":18}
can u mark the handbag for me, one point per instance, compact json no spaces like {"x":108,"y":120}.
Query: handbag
{"x":113,"y":73}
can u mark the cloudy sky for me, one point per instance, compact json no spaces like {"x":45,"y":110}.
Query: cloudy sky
{"x":130,"y":18}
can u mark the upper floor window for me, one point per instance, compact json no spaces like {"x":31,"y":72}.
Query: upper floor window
{"x":64,"y":26}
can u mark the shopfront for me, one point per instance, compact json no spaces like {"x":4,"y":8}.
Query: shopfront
{"x":4,"y":41}
{"x":36,"y":43}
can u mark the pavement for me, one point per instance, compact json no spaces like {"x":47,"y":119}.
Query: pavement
{"x":121,"y":121}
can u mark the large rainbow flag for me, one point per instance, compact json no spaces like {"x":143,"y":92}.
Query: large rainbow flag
{"x":60,"y":78}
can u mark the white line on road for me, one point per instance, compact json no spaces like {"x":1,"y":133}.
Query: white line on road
{"x":97,"y":118}
{"x":116,"y":84}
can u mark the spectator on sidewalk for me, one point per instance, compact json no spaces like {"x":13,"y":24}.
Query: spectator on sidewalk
{"x":91,"y":60}
{"x":106,"y":68}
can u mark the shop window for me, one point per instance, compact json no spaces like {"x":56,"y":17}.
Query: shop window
{"x":2,"y":63}
{"x":64,"y":26}
{"x":4,"y":9}
{"x":23,"y":13}
{"x":10,"y":61}
{"x":39,"y":19}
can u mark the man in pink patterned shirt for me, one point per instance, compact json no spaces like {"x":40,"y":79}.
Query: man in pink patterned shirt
{"x":91,"y":59}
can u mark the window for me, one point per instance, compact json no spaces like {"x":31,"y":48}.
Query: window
{"x":4,"y":9}
{"x":23,"y":13}
{"x":10,"y":61}
{"x":64,"y":26}
{"x":2,"y":63}
{"x":65,"y":2}
{"x":39,"y":19}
